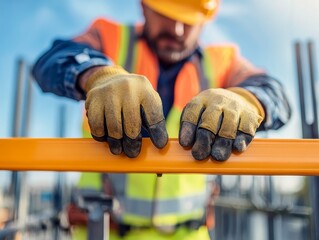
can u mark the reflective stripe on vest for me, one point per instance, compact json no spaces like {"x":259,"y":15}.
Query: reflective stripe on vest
{"x":173,"y":198}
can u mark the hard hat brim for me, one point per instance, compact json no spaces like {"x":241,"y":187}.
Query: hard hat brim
{"x":183,"y":13}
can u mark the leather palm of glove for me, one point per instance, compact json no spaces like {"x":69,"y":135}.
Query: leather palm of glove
{"x":118,"y":104}
{"x":217,"y":121}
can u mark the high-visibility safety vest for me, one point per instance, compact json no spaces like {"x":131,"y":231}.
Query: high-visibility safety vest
{"x":145,"y":199}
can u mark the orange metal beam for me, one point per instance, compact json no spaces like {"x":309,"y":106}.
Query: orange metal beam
{"x":263,"y":157}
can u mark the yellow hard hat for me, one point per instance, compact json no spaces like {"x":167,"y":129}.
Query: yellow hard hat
{"x":186,"y":11}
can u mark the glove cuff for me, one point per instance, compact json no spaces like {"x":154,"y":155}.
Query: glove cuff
{"x":103,"y":74}
{"x":251,"y":98}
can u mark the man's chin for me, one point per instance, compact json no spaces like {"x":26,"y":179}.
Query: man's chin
{"x":171,"y":57}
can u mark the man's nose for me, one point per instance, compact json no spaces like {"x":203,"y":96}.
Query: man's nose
{"x":179,"y":29}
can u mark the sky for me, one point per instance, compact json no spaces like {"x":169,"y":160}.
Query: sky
{"x":264,"y":30}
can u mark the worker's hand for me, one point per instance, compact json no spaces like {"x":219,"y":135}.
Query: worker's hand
{"x":217,"y":121}
{"x":118,"y":104}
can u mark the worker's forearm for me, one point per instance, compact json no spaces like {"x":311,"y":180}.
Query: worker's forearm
{"x":58,"y":70}
{"x":271,"y":95}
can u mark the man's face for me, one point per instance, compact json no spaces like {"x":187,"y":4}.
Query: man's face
{"x":172,"y":41}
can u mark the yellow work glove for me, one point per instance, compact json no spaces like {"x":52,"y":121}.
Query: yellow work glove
{"x":118,"y":104}
{"x":217,"y":121}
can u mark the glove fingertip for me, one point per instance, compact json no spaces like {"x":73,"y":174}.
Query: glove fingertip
{"x":132,"y":147}
{"x":220,"y":154}
{"x":199,"y":155}
{"x":187,"y":134}
{"x":222,"y":149}
{"x":158,"y":134}
{"x":242,"y":141}
{"x":115,"y":146}
{"x":203,"y":144}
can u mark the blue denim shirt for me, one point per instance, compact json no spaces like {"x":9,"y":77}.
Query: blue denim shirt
{"x":58,"y":69}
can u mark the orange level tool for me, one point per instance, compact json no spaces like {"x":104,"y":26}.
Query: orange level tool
{"x":263,"y":157}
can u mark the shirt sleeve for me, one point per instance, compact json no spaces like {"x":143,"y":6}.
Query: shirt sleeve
{"x":271,"y":95}
{"x":58,"y":69}
{"x":267,"y":89}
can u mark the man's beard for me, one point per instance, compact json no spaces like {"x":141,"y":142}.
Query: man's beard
{"x":169,"y":55}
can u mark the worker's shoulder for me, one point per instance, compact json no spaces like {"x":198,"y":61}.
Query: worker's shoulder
{"x":228,"y":50}
{"x":108,"y":25}
{"x":104,"y":22}
{"x":219,"y":47}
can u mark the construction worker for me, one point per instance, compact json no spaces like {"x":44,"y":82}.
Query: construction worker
{"x":154,"y":79}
